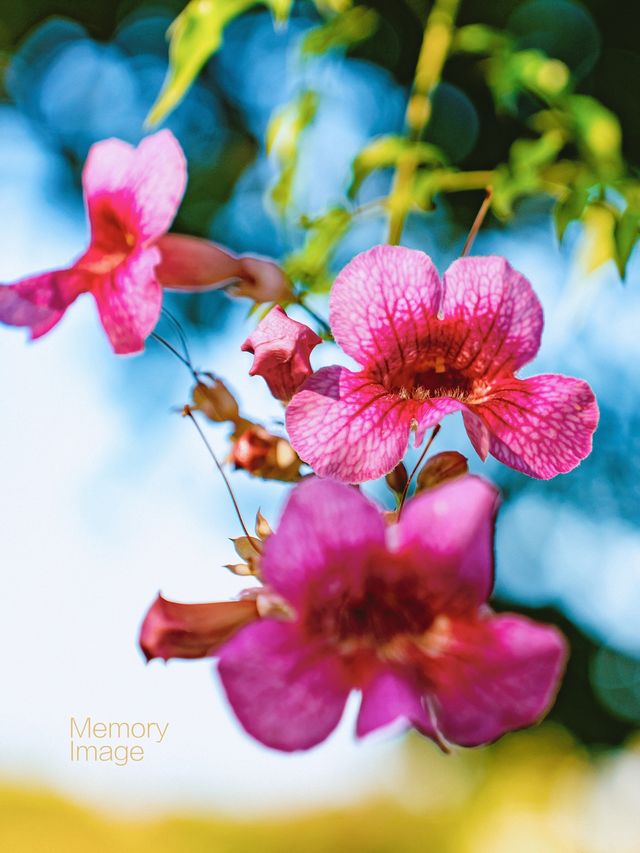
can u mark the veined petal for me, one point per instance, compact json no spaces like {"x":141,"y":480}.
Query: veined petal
{"x":135,"y":191}
{"x":384,"y":306}
{"x":347,"y":426}
{"x":541,"y":426}
{"x":391,"y":697}
{"x":494,"y":676}
{"x":174,"y":630}
{"x":449,"y":530}
{"x":431,"y":412}
{"x":39,"y":301}
{"x":492,"y":317}
{"x":129,"y":301}
{"x":324,"y":525}
{"x":286,"y":694}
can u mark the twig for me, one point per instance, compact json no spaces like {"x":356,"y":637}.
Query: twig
{"x":477,"y":222}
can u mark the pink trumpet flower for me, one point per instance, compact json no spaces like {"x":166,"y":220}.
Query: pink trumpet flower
{"x":428,"y":348}
{"x":396,"y":612}
{"x":132,"y":196}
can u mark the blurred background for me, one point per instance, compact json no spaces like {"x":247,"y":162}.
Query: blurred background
{"x":107,"y":496}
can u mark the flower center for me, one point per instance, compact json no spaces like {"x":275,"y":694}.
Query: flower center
{"x":382,"y":610}
{"x":430,"y":378}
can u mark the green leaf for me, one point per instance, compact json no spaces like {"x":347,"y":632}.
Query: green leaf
{"x":570,"y":208}
{"x":335,"y":6}
{"x":626,"y":235}
{"x":385,"y":151}
{"x":194,"y":36}
{"x":309,"y":266}
{"x":352,"y":26}
{"x":283,"y":139}
{"x":598,"y":133}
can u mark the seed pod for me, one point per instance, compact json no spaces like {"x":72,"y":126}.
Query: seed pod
{"x":440,"y":468}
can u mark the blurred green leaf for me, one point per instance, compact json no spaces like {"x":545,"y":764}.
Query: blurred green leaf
{"x":309,"y":266}
{"x":385,"y":151}
{"x":569,"y":208}
{"x":335,"y":6}
{"x":626,"y":234}
{"x":352,"y":26}
{"x":282,"y":141}
{"x":195,"y":35}
{"x":598,"y":134}
{"x":479,"y":38}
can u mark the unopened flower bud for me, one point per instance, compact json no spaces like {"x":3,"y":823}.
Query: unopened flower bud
{"x":265,"y":455}
{"x":262,"y":281}
{"x":281,"y":348}
{"x":397,"y":479}
{"x":440,"y":468}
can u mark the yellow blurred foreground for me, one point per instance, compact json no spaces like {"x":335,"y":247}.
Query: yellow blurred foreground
{"x":533,"y":792}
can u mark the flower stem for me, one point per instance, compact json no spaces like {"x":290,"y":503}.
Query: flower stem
{"x":434,"y":433}
{"x":477,"y":222}
{"x":326,"y":328}
{"x":436,"y":43}
{"x":187,"y":413}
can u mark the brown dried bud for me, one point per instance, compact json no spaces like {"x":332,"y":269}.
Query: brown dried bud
{"x":265,"y":455}
{"x":215,"y":401}
{"x":263,"y":528}
{"x":397,"y":479}
{"x":440,"y":468}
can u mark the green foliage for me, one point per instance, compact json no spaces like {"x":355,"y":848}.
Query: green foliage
{"x":283,"y":139}
{"x":385,"y":152}
{"x":195,"y":35}
{"x":309,"y":266}
{"x":352,"y":26}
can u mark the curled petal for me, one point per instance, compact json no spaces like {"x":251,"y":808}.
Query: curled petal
{"x":347,"y":426}
{"x":495,"y":675}
{"x":450,"y":529}
{"x":174,"y":630}
{"x":492,"y":318}
{"x":541,"y":426}
{"x":281,"y":348}
{"x":129,"y":301}
{"x":287,"y":694}
{"x":40,"y":301}
{"x":384,"y":307}
{"x":392,"y":697}
{"x":139,"y":188}
{"x":313,"y":544}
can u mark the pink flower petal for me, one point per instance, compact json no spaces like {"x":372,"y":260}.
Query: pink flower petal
{"x":133,"y":191}
{"x":384,"y":307}
{"x":174,"y":630}
{"x":478,"y":433}
{"x":348,"y":427}
{"x":495,"y":676}
{"x":191,"y":263}
{"x":129,"y":301}
{"x":40,"y":301}
{"x":325,"y":526}
{"x":493,"y":318}
{"x":282,"y":348}
{"x":449,"y":531}
{"x":541,"y":426}
{"x":431,"y":412}
{"x":286,"y":694}
{"x":391,"y":697}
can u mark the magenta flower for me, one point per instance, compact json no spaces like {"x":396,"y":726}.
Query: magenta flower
{"x":429,"y":348}
{"x":397,"y":612}
{"x":281,"y":348}
{"x":132,"y":195}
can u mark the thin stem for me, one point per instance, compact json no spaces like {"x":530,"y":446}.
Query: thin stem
{"x":434,"y":433}
{"x":179,"y":331}
{"x":177,"y":354}
{"x":436,"y":43}
{"x":189,"y":414}
{"x":477,"y":222}
{"x":326,"y":328}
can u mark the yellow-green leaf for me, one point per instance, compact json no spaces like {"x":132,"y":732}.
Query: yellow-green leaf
{"x":352,"y":26}
{"x":282,"y":141}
